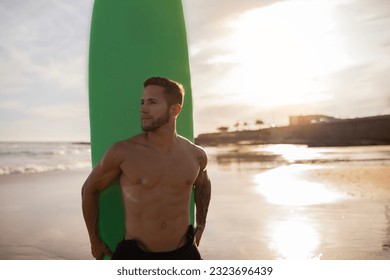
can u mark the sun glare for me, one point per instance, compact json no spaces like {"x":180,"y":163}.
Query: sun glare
{"x":286,"y":186}
{"x":279,"y":52}
{"x":294,"y":238}
{"x":292,"y":153}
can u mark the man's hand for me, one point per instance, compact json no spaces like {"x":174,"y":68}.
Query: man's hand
{"x":198,"y":233}
{"x":99,"y":249}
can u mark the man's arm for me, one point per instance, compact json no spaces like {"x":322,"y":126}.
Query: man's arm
{"x":202,"y":197}
{"x":100,"y":178}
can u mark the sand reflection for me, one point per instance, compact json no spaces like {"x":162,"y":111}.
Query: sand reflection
{"x":293,"y":153}
{"x":295,"y":238}
{"x":286,"y":186}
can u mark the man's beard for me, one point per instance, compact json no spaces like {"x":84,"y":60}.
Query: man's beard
{"x":155,"y":124}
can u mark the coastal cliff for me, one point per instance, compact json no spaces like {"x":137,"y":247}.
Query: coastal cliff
{"x":338,"y":132}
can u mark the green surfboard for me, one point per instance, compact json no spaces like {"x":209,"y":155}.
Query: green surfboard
{"x":130,"y":41}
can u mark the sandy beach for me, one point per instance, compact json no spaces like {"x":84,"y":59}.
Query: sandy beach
{"x":41,"y":216}
{"x":298,"y":211}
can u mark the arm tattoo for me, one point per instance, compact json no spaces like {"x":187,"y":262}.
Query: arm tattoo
{"x":202,"y":200}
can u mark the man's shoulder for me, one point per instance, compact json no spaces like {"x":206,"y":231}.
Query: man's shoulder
{"x":129,"y":143}
{"x":197,"y":150}
{"x":138,"y":139}
{"x":187,"y":142}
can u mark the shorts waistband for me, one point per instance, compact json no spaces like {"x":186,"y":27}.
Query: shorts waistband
{"x":190,"y":236}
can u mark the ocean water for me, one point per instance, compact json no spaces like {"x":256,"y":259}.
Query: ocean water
{"x":37,"y":157}
{"x":271,"y":156}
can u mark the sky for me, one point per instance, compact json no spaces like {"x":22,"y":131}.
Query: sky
{"x":250,"y":60}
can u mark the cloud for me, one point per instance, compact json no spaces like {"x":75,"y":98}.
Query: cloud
{"x":206,"y":27}
{"x":44,"y":41}
{"x":331,"y":57}
{"x":43,"y":67}
{"x":70,"y":112}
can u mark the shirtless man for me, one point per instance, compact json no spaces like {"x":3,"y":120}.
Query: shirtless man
{"x":157,"y":171}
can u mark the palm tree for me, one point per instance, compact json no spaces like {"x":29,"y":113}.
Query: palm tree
{"x":223,"y":129}
{"x":237,"y":125}
{"x":259,"y":123}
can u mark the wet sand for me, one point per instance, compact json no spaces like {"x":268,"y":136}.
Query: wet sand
{"x":41,"y":218}
{"x":336,"y":212}
{"x":290,"y":212}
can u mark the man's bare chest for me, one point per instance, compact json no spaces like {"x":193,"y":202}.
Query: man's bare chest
{"x":150,"y":169}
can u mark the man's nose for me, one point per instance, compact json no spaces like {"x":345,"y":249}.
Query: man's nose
{"x":144,"y":109}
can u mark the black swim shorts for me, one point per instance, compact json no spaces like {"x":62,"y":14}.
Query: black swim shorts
{"x":129,"y":250}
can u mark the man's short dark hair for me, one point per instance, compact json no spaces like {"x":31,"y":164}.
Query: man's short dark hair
{"x":174,"y":91}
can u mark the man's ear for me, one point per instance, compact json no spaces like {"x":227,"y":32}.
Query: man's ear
{"x":175,"y":110}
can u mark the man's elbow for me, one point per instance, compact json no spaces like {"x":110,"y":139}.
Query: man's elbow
{"x":84,"y":188}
